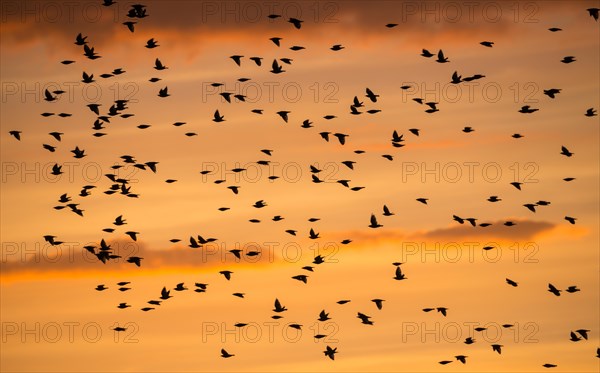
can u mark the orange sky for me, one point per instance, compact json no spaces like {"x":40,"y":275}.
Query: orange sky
{"x":48,"y":303}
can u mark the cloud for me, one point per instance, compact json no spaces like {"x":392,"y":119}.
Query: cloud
{"x":523,"y":230}
{"x":69,"y":258}
{"x":195,"y":21}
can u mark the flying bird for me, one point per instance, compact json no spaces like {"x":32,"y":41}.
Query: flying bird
{"x":296,"y":22}
{"x":237,"y":59}
{"x":330,"y":352}
{"x":441,"y":58}
{"x":278,"y":307}
{"x":374,"y":223}
{"x":552,"y":289}
{"x":564,"y":151}
{"x":225,"y":354}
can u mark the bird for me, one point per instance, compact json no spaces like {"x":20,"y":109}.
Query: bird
{"x":259,"y":204}
{"x":354,"y":111}
{"x":226,"y":274}
{"x":594,"y":12}
{"x":302,"y":278}
{"x":378,"y":302}
{"x":386,"y":211}
{"x":180,"y":287}
{"x":337,"y":47}
{"x":568,"y":59}
{"x":511,"y":282}
{"x":217,"y":117}
{"x":441,"y":58}
{"x":551,"y":92}
{"x":296,"y":22}
{"x":341,"y":137}
{"x":364,"y":319}
{"x":15,"y":134}
{"x":324,"y":316}
{"x":237,"y":59}
{"x":130,"y":25}
{"x":318,"y":259}
{"x":349,"y":164}
{"x":487,"y":43}
{"x":591,"y":112}
{"x":398,"y":274}
{"x":276,"y":40}
{"x":56,"y":170}
{"x":423,"y":200}
{"x":564,"y":151}
{"x":374,"y":223}
{"x":572,"y":289}
{"x":306,"y":124}
{"x":257,"y":60}
{"x":89,"y":53}
{"x":497,"y":348}
{"x":426,"y":53}
{"x":570,"y":219}
{"x":165,"y":294}
{"x":456,"y":79}
{"x":414,"y":131}
{"x":552,"y":289}
{"x":284,"y":115}
{"x":78,"y":153}
{"x":56,"y":135}
{"x":371,"y":95}
{"x":119,"y":221}
{"x":574,"y":337}
{"x":226,"y":96}
{"x":163,"y":92}
{"x":87,"y":78}
{"x":278,"y":307}
{"x":135,"y":260}
{"x":461,"y":358}
{"x":151,"y":43}
{"x":276,"y":68}
{"x":330,"y":352}
{"x":225,"y":354}
{"x":583,"y":333}
{"x":527,"y":110}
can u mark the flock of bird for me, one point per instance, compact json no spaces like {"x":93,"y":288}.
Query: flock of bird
{"x":104,"y":252}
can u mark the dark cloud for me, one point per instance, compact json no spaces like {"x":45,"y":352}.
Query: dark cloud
{"x":523,"y":230}
{"x":27,"y":21}
{"x":71,"y":256}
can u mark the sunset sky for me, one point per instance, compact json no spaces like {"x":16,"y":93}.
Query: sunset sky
{"x":50,"y":309}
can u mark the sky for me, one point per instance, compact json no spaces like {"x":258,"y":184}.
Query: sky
{"x":49,"y":304}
